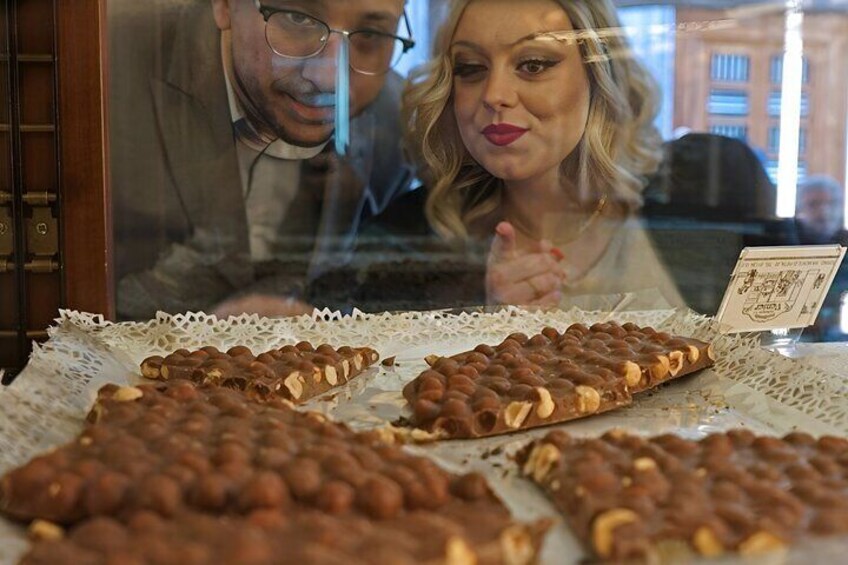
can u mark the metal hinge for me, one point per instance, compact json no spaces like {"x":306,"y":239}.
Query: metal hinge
{"x":7,"y":238}
{"x":42,"y":235}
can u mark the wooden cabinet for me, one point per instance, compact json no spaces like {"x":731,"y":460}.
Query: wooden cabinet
{"x":54,"y":212}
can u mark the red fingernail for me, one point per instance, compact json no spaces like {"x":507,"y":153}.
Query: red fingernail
{"x":557,"y":253}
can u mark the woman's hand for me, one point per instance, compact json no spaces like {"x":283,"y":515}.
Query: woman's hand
{"x":265,"y":305}
{"x":528,"y":276}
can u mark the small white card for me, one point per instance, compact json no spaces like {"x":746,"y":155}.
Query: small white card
{"x":778,"y":287}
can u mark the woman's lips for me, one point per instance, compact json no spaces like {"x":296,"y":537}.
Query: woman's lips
{"x":503,"y":134}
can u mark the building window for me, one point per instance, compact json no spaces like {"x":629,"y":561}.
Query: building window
{"x":728,"y":103}
{"x":773,"y":145}
{"x":730,"y":68}
{"x":774,"y":104}
{"x":771,"y":169}
{"x":739,"y":132}
{"x":776,"y":70}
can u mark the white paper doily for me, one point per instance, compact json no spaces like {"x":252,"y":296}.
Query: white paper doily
{"x":748,"y":386}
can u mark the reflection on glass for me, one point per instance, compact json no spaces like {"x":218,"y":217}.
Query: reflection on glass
{"x":743,"y":118}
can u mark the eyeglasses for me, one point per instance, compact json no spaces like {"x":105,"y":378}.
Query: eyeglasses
{"x":296,"y":35}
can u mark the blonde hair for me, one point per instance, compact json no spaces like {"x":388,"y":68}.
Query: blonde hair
{"x":619,"y":147}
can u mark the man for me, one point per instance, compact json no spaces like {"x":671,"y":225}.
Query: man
{"x":819,"y":212}
{"x":227,"y":195}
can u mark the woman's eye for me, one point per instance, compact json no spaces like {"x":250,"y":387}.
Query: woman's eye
{"x":466,"y":70}
{"x":536,"y":66}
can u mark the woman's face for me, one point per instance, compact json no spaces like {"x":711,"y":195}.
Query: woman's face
{"x":520,"y":102}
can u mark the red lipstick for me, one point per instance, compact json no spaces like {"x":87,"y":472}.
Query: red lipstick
{"x":503,"y":134}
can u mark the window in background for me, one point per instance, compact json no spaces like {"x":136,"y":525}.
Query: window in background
{"x":773,"y":144}
{"x":728,"y":102}
{"x":730,"y":68}
{"x":774,"y":104}
{"x":739,"y":132}
{"x":776,"y":70}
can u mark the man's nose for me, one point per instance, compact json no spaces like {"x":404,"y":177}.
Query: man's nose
{"x":500,"y":92}
{"x":320,"y":70}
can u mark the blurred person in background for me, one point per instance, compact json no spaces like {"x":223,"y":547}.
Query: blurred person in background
{"x":228,"y":194}
{"x":819,"y":212}
{"x":532,"y":128}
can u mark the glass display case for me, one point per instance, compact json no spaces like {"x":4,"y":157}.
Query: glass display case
{"x":262,"y":262}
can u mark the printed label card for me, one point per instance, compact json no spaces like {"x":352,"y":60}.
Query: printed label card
{"x":778,"y":287}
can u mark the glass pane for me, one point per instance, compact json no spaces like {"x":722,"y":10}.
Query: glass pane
{"x":243,"y":182}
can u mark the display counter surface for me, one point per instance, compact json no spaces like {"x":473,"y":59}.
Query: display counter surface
{"x":748,"y":387}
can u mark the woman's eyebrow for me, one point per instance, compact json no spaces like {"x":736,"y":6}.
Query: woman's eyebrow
{"x":535,"y":36}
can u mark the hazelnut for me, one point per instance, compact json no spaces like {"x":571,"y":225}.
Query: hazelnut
{"x":516,"y":413}
{"x":294,"y":383}
{"x":517,"y":546}
{"x":588,"y":401}
{"x":675,"y":362}
{"x":659,"y":370}
{"x":632,"y":373}
{"x":331,"y":375}
{"x":127,"y":394}
{"x":707,"y":543}
{"x":711,"y":353}
{"x":692,"y":353}
{"x":431,"y":359}
{"x":759,"y":543}
{"x":151,"y":368}
{"x":42,"y":530}
{"x":644,"y":464}
{"x":457,"y":552}
{"x":541,"y":460}
{"x":345,"y":369}
{"x":604,"y":527}
{"x":358,"y":361}
{"x":546,"y":405}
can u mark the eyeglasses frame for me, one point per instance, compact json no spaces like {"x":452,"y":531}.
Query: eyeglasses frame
{"x":267,"y":12}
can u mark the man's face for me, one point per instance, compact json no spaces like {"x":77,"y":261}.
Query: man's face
{"x":297,"y":96}
{"x":820,"y":212}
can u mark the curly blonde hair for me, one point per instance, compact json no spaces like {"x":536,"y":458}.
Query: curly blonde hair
{"x":619,"y":147}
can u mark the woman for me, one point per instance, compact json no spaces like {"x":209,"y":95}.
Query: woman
{"x":533,"y":124}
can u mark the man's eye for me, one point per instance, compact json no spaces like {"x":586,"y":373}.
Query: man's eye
{"x":536,"y":66}
{"x":300,"y":20}
{"x":467,"y":70}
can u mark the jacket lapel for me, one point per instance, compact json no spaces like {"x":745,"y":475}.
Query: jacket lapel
{"x":196,"y":131}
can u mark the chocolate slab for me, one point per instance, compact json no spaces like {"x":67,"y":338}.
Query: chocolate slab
{"x":628,"y":497}
{"x":475,"y":533}
{"x":177,"y":449}
{"x":526,"y":382}
{"x":293,"y":372}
